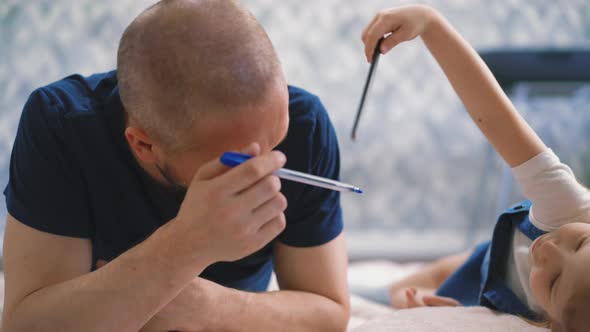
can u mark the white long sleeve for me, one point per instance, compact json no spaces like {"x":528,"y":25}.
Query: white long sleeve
{"x":557,"y":197}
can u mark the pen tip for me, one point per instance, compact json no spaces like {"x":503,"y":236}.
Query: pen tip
{"x":357,"y":190}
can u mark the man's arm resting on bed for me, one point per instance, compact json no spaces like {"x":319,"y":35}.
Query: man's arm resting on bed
{"x":49,"y":286}
{"x":313,"y":296}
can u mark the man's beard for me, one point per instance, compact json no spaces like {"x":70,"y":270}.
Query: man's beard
{"x":179,"y":190}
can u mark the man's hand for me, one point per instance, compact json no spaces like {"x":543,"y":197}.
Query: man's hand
{"x":228,"y":214}
{"x":403,"y":24}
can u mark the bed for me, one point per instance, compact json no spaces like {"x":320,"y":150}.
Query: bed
{"x":369,"y":316}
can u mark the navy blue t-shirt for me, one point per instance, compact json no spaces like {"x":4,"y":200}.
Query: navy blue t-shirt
{"x":73,"y":174}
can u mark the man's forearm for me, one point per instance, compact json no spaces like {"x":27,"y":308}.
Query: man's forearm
{"x":121,"y":296}
{"x":284,"y":310}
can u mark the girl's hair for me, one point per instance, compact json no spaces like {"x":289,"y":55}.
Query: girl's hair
{"x":544,"y":323}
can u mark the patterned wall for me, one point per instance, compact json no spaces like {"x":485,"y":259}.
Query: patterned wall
{"x":423,"y":164}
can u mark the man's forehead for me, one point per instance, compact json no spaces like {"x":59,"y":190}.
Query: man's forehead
{"x":262,"y":125}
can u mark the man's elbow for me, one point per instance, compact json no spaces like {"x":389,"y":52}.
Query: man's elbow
{"x":9,"y":324}
{"x":344,"y":318}
{"x":340,"y":315}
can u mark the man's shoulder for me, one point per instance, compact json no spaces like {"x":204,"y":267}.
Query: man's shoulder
{"x":303,"y":103}
{"x":55,"y":108}
{"x":72,"y":96}
{"x":299,"y":95}
{"x":66,"y":114}
{"x":306,"y":110}
{"x":311,"y":133}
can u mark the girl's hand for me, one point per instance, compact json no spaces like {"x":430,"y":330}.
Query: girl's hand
{"x":414,"y":299}
{"x":404,"y":24}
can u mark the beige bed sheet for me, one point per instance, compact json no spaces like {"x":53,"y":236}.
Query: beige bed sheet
{"x":367,"y":316}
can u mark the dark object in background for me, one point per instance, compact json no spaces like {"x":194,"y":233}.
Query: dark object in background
{"x":548,"y":65}
{"x":511,"y":67}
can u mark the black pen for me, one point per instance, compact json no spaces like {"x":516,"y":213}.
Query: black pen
{"x":376,"y":55}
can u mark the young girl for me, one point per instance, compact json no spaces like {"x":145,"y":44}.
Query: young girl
{"x":537,"y":264}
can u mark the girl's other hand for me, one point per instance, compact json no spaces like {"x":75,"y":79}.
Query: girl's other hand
{"x":403,"y":24}
{"x":414,"y":298}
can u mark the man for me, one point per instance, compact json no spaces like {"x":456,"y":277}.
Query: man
{"x":123,"y":168}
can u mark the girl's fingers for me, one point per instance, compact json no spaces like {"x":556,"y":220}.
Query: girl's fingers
{"x":381,"y":28}
{"x":370,"y":45}
{"x":370,"y":25}
{"x":378,"y":27}
{"x":440,"y":301}
{"x":393,"y":40}
{"x":371,"y":40}
{"x":412,"y":299}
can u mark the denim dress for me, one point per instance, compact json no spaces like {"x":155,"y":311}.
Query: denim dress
{"x":481,"y":280}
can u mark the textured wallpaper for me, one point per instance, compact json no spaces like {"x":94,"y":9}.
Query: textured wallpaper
{"x":432,"y":183}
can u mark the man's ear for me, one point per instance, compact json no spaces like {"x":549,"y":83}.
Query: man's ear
{"x":141,"y":144}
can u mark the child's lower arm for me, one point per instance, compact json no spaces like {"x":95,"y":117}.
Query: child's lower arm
{"x":481,"y":94}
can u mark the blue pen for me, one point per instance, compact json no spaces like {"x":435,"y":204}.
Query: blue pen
{"x":233,"y":159}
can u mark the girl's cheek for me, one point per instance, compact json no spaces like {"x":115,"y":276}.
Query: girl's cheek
{"x":538,"y":287}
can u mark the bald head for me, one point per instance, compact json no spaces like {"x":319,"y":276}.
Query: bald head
{"x":181,"y":58}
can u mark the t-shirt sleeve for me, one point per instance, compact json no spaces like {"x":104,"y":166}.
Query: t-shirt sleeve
{"x":45,"y":188}
{"x":317,"y":218}
{"x":557,"y":197}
